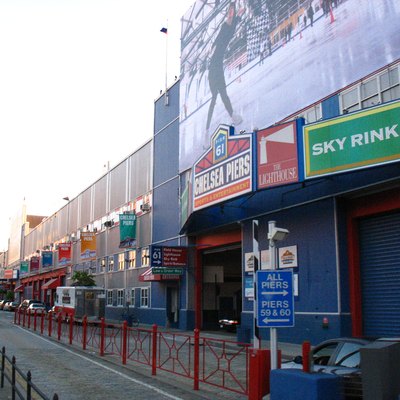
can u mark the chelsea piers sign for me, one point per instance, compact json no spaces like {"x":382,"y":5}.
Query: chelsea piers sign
{"x":359,"y":140}
{"x":225,"y":170}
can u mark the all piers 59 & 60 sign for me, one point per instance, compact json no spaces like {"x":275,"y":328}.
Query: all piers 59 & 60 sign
{"x":225,"y":170}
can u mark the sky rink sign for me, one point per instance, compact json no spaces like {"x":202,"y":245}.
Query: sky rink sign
{"x":360,"y":140}
{"x":275,"y":299}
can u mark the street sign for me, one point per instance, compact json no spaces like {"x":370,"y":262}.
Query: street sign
{"x":168,"y":256}
{"x":167,"y":271}
{"x":275,"y":305}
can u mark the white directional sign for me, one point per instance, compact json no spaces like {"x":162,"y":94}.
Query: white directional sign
{"x":275,"y":299}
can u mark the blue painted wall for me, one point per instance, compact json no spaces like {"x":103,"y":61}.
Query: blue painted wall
{"x":312,"y":230}
{"x":166,"y":211}
{"x":166,"y":153}
{"x":330,"y":107}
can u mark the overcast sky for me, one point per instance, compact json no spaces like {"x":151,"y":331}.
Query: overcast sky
{"x":78,"y":80}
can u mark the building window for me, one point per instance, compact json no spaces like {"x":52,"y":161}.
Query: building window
{"x":110,"y":264}
{"x":312,"y":114}
{"x":103,"y":264}
{"x":381,"y":88}
{"x":132,"y":259}
{"x":145,"y":257}
{"x":120,"y":297}
{"x":144,"y":297}
{"x":133,"y":297}
{"x":121,"y":261}
{"x":109,"y":297}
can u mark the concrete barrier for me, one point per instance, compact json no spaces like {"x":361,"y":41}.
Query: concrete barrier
{"x":289,"y":384}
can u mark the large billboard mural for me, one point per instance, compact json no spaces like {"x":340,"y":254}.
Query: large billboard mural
{"x":252,"y":63}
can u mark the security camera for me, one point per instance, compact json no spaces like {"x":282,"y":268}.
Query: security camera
{"x":278,"y":234}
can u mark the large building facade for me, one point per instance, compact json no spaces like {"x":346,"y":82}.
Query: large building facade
{"x":280,"y":115}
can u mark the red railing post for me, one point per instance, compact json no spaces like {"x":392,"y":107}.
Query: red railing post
{"x":50,"y":322}
{"x":71,"y":329}
{"x":196,"y":359}
{"x":23,"y":318}
{"x":29,"y":318}
{"x":15,"y":316}
{"x":19,"y":316}
{"x":154,"y":350}
{"x":306,"y":350}
{"x":84,"y":333}
{"x":124,"y":341}
{"x":35,"y":320}
{"x":102,"y":335}
{"x":59,"y":322}
{"x":42,"y":323}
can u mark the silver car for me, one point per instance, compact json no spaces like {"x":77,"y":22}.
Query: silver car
{"x":337,"y":356}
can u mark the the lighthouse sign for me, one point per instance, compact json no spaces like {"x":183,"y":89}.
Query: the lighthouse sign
{"x":277,"y":156}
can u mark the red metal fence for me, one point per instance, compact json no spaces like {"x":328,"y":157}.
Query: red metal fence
{"x":217,"y":362}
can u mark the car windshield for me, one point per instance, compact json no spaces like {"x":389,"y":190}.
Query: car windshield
{"x":321,"y":356}
{"x":349,"y":355}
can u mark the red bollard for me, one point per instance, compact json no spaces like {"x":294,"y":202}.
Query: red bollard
{"x":196,"y":359}
{"x":23,"y":318}
{"x":259,"y":372}
{"x":34,"y":320}
{"x":59,"y":321}
{"x":42,"y":323}
{"x":102,"y":335}
{"x":19,"y":316}
{"x":15,"y":316}
{"x":306,"y":351}
{"x":71,"y":329}
{"x":50,"y":322}
{"x":29,"y":319}
{"x":124,"y":341}
{"x":84,"y":333}
{"x":154,"y":350}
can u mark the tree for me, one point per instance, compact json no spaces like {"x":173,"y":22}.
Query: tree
{"x":9,"y":295}
{"x":83,"y":278}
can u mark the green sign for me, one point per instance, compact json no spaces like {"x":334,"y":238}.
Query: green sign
{"x":24,"y":267}
{"x":359,"y":140}
{"x":166,"y":271}
{"x":127,"y":230}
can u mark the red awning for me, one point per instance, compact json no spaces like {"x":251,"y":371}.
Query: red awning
{"x":148,"y":276}
{"x":51,"y":284}
{"x":19,"y":288}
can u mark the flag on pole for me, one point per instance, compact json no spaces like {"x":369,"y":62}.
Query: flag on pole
{"x":164,"y":30}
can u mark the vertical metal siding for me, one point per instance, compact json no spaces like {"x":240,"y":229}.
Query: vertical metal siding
{"x":118,"y":186}
{"x":100,"y":197}
{"x":380,"y":274}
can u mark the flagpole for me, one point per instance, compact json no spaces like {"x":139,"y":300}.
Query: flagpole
{"x":166,"y":100}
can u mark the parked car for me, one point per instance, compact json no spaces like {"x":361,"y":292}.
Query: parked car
{"x":27,"y":302}
{"x":338,"y":356}
{"x":38,"y":308}
{"x":11,"y":306}
{"x":2,"y":303}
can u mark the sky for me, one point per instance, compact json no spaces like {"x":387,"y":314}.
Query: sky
{"x":78,"y":80}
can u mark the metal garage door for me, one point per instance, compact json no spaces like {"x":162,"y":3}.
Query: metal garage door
{"x":380,"y":274}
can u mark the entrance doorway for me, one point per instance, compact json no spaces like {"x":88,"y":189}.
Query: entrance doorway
{"x":222,"y":285}
{"x":172,"y":306}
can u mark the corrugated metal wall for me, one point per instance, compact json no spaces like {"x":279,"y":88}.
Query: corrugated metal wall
{"x":380,"y":274}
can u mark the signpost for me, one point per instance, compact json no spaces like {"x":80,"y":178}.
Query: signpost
{"x":275,"y":299}
{"x":168,"y":256}
{"x":166,"y":271}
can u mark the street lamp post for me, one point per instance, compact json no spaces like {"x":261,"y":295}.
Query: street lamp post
{"x":274,"y":235}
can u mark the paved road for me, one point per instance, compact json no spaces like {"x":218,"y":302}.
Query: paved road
{"x":77,"y":375}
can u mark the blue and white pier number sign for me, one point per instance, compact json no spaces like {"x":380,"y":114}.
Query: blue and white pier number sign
{"x":275,"y":305}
